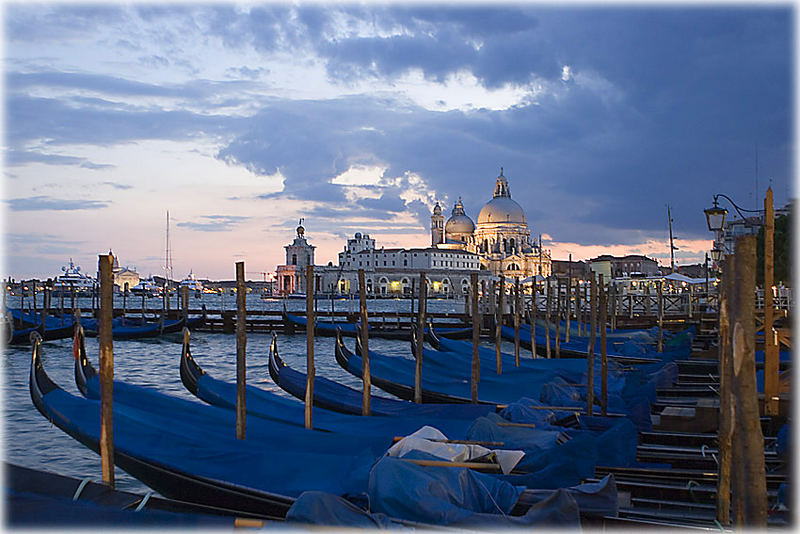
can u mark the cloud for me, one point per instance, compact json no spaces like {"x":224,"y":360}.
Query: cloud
{"x":22,"y":157}
{"x":214,"y":223}
{"x":44,"y":203}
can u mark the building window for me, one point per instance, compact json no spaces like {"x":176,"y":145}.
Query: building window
{"x":405,"y":263}
{"x":294,"y":259}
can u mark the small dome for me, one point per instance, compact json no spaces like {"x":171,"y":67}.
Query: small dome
{"x":437,"y":209}
{"x":301,"y":230}
{"x":459,"y":223}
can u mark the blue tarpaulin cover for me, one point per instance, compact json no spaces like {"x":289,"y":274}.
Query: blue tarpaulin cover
{"x":459,"y":497}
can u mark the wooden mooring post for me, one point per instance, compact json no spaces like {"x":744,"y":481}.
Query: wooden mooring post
{"x":547,"y":293}
{"x":750,"y":490}
{"x":532,"y":318}
{"x":311,"y":322}
{"x":579,"y":308}
{"x":726,"y":427}
{"x":771,"y":353}
{"x":558,"y":318}
{"x":241,"y":346}
{"x":366,"y":394}
{"x":421,"y":305}
{"x":498,"y":337}
{"x":603,"y":349}
{"x":590,"y":352}
{"x":476,"y":330}
{"x":106,"y":341}
{"x":660,"y":316}
{"x":568,"y":297}
{"x":516,"y":322}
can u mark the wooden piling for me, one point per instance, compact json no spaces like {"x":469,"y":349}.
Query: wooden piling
{"x":547,"y":317}
{"x":725,"y":430}
{"x":476,"y":329}
{"x":106,"y":342}
{"x":612,"y":288}
{"x":579,"y":309}
{"x":365,"y":373}
{"x":568,"y":297}
{"x":558,"y":318}
{"x":498,"y":337}
{"x":590,"y":352}
{"x":516,"y":322}
{"x":603,"y":348}
{"x":241,"y":345}
{"x":311,"y":322}
{"x":771,"y":353}
{"x":185,"y":301}
{"x":421,"y":305}
{"x":532,"y":318}
{"x":753,"y":499}
{"x":661,"y":316}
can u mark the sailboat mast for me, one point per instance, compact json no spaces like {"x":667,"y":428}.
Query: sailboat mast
{"x":671,"y":244}
{"x":167,"y":255}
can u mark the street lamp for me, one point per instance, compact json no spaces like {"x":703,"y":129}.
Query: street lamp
{"x":715,"y":217}
{"x":716,"y":255}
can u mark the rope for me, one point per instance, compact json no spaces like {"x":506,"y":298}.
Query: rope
{"x":490,"y":497}
{"x":690,"y":486}
{"x":144,"y":501}
{"x":721,"y":528}
{"x":80,"y":488}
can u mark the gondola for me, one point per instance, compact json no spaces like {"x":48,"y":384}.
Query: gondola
{"x":268,"y":405}
{"x":135,"y":331}
{"x":403,"y":391}
{"x":67,"y":412}
{"x":36,"y":498}
{"x":22,"y":336}
{"x":340,"y":398}
{"x":329,"y":329}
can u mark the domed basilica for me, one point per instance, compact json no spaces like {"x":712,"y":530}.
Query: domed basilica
{"x":501,"y":238}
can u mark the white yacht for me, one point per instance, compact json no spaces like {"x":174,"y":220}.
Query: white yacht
{"x":72,"y":279}
{"x":195,"y":286}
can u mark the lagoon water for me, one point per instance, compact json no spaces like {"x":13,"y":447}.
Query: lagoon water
{"x":30,"y":440}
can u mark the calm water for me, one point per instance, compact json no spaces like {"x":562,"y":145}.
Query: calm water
{"x":32,"y":441}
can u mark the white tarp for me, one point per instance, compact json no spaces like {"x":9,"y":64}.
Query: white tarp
{"x":454,"y":452}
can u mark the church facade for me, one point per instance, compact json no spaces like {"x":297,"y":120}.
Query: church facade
{"x":501,"y":238}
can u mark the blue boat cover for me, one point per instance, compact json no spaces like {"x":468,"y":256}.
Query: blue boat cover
{"x":344,"y":399}
{"x":459,"y":497}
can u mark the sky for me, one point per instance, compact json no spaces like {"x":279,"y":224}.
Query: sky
{"x":240,"y":119}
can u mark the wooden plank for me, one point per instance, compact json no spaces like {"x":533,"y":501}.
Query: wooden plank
{"x":106,"y":341}
{"x":445,"y":463}
{"x":241,"y":350}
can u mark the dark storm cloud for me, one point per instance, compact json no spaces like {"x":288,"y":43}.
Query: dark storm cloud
{"x":665,"y":105}
{"x":44,"y":203}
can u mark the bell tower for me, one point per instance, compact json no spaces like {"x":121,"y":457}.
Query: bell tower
{"x":437,"y":226}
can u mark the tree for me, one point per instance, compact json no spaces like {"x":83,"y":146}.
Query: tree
{"x":782,"y":253}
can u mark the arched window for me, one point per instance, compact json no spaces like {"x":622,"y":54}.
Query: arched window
{"x":512,"y":243}
{"x":294,"y":259}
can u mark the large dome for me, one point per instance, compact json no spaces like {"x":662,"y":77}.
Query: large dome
{"x":502,"y":210}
